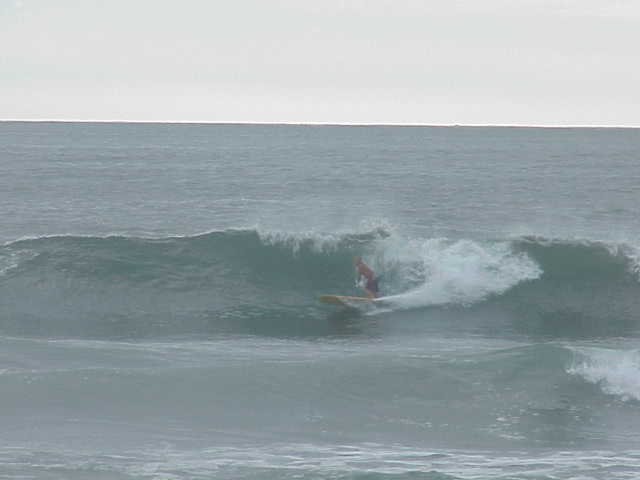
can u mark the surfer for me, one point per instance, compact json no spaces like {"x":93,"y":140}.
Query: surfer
{"x":371,"y":281}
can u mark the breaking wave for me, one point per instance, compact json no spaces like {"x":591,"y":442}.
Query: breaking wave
{"x":249,"y":281}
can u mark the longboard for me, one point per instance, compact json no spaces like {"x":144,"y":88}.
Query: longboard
{"x":346,"y":301}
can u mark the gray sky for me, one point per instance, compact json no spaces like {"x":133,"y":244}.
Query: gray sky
{"x":542,"y":62}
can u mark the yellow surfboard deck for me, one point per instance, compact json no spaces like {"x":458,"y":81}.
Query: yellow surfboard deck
{"x":345,"y":301}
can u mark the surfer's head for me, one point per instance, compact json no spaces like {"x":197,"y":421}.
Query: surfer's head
{"x":357,"y":260}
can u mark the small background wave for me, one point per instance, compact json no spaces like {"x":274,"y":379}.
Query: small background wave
{"x":523,"y":395}
{"x":615,"y":371}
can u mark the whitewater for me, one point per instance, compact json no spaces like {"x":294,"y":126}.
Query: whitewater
{"x":159,"y":313}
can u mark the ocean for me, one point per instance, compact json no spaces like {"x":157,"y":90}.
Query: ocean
{"x":159,"y":312}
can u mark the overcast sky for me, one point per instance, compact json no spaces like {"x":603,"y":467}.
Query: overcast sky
{"x":536,"y":62}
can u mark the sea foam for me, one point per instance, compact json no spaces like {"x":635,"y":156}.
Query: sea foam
{"x":617,"y":372}
{"x":461,"y":272}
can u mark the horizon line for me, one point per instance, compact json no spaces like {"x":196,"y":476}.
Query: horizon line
{"x":320,"y":124}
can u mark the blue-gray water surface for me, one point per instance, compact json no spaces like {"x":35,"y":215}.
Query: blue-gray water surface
{"x":159,"y":313}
